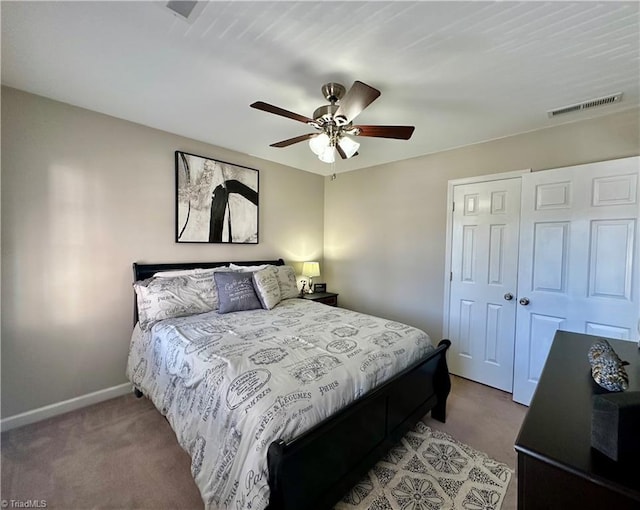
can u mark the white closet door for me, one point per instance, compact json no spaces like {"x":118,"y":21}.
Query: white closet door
{"x":484,"y":260}
{"x":578,"y":268}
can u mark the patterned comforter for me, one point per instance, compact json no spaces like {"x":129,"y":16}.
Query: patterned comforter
{"x":231,"y":384}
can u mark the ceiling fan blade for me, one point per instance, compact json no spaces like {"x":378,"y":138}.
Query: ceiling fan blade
{"x":357,"y":98}
{"x":398,"y":132}
{"x":269,"y":108}
{"x":291,"y":141}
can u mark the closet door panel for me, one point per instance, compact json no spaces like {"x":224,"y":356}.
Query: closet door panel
{"x":484,"y":270}
{"x":578,"y":268}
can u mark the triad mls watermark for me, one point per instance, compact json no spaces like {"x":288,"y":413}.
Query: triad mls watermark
{"x":23,"y":503}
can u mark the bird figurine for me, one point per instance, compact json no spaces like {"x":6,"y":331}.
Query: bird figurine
{"x":607,"y":369}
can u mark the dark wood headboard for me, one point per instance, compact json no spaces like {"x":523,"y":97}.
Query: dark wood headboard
{"x":142,"y":271}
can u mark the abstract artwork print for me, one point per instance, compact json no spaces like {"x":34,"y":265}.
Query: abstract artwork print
{"x":216,"y":202}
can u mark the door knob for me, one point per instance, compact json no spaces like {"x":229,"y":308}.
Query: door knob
{"x":508,"y":296}
{"x":524,"y":301}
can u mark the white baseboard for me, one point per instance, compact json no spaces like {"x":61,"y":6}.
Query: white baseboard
{"x":45,"y":412}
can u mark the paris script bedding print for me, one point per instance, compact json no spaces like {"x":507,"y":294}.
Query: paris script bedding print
{"x":231,"y":384}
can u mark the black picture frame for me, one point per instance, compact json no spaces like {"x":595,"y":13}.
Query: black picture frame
{"x":319,"y":287}
{"x":216,"y":201}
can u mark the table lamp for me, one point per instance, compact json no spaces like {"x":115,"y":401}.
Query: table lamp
{"x":310,"y":270}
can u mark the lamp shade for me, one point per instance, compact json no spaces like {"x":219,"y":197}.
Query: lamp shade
{"x":328,"y":155}
{"x":348,"y":146}
{"x":319,"y":144}
{"x":310,"y":269}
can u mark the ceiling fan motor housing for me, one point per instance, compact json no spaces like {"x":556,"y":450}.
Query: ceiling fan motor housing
{"x":333,"y":92}
{"x":324,"y":114}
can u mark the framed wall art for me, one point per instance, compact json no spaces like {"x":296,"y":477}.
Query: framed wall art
{"x":216,"y":202}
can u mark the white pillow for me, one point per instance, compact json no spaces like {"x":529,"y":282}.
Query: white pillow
{"x":265,"y":283}
{"x":188,"y":272}
{"x":248,"y":269}
{"x":163,"y":298}
{"x":287,"y":281}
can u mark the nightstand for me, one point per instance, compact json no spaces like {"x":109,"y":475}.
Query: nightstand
{"x":327,"y":298}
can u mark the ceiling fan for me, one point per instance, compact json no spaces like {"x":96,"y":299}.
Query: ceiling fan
{"x":333,"y":122}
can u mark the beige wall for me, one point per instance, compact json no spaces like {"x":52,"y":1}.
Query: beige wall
{"x":83,"y":196}
{"x":385,"y":226}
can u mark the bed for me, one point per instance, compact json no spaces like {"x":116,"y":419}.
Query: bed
{"x":284,"y":408}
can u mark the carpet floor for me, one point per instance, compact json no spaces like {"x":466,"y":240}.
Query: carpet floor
{"x":122,"y":454}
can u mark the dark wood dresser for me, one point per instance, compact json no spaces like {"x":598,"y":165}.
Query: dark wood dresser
{"x":557,"y":468}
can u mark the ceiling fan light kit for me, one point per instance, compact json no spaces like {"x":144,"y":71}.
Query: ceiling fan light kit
{"x":335,"y":121}
{"x":323,"y":147}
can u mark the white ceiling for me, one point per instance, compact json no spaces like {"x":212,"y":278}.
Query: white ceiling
{"x":461,"y":72}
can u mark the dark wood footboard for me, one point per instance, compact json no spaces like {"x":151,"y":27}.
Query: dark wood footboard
{"x":315,"y":470}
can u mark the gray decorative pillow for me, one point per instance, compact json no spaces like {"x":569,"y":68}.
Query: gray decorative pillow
{"x":265,"y":283}
{"x":287,"y":281}
{"x":236,"y":292}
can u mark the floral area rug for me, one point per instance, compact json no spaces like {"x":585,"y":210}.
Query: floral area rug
{"x":429,"y":470}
